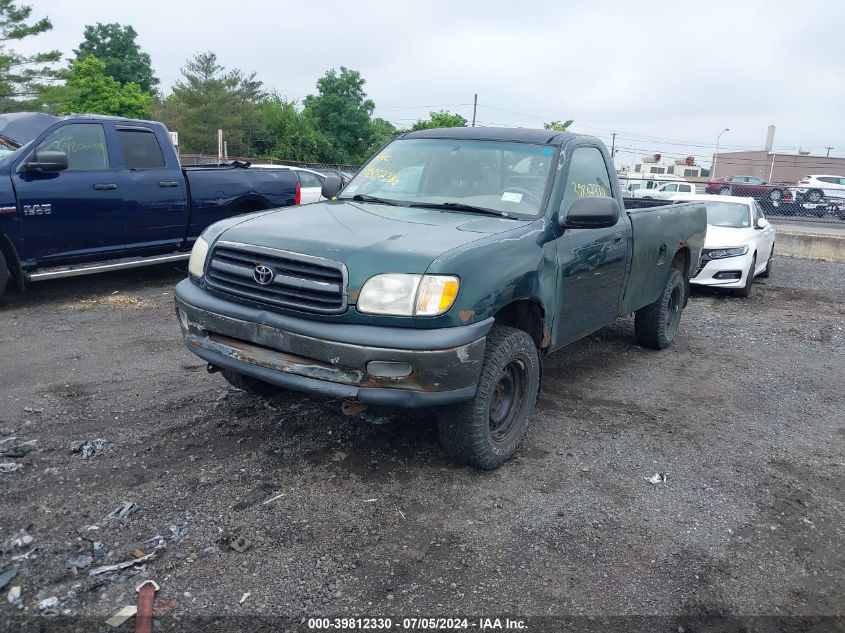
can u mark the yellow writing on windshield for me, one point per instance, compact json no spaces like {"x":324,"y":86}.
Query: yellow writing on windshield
{"x":589,"y":189}
{"x":381,"y":174}
{"x":384,"y":158}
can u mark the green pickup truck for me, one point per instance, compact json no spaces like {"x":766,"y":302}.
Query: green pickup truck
{"x":440,"y":276}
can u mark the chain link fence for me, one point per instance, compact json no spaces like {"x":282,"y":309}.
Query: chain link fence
{"x":804,"y":202}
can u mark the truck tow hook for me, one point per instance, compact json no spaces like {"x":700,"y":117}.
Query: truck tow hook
{"x":353,"y":407}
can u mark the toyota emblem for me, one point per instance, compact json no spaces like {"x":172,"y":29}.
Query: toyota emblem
{"x":262,"y":274}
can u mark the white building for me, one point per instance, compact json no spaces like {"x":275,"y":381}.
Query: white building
{"x":654,"y":167}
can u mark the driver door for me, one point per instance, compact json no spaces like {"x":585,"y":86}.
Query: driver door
{"x":592,"y":263}
{"x":76,"y":213}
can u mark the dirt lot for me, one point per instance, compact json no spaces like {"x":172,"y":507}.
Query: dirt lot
{"x":744,"y":414}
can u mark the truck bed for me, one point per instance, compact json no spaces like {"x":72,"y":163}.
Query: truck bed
{"x":658,"y":231}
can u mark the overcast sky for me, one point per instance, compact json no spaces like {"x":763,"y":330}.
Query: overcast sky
{"x":666,"y":76}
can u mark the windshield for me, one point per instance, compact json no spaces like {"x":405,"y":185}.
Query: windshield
{"x":505,"y":178}
{"x":728,"y":214}
{"x":7,"y":147}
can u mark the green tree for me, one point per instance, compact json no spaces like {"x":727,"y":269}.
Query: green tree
{"x":290,"y":134}
{"x":558,"y":126}
{"x":22,"y":77}
{"x":442,"y":118}
{"x":342,"y":113}
{"x":383,"y":131}
{"x":115,"y":46}
{"x":208,"y":98}
{"x":90,"y":90}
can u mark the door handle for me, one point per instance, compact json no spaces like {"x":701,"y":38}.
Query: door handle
{"x":617,"y":238}
{"x":105,"y":186}
{"x":168,"y":183}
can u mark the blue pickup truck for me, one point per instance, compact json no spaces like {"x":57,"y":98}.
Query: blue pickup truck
{"x":84,"y":194}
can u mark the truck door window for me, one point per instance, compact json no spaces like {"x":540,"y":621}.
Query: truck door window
{"x":587,"y":177}
{"x":140,"y":149}
{"x":84,"y":144}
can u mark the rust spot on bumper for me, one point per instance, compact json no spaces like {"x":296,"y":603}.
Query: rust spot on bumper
{"x":466,"y":315}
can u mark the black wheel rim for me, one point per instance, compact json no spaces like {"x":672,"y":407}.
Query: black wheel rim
{"x":506,"y":399}
{"x":673,"y":311}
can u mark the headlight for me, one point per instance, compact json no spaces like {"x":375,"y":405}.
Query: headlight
{"x":399,"y":294}
{"x":721,"y":253}
{"x":196,"y":264}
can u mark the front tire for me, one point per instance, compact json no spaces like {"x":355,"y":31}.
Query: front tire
{"x":725,"y":191}
{"x":749,"y":279}
{"x":656,"y":324}
{"x":250,"y":384}
{"x":768,"y":271}
{"x":814,"y":196}
{"x":486,"y":431}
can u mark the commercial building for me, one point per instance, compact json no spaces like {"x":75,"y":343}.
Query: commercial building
{"x":776,"y":167}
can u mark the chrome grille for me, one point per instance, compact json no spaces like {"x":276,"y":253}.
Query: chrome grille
{"x":300,"y":282}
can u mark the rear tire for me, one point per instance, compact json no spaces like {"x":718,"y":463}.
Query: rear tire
{"x":749,"y":280}
{"x":776,"y":195}
{"x":250,"y":384}
{"x":765,"y":274}
{"x":4,"y":274}
{"x":656,"y":324}
{"x":486,"y":431}
{"x":815,"y":195}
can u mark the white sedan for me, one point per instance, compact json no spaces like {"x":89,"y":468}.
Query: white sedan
{"x":739,"y":246}
{"x":310,"y":182}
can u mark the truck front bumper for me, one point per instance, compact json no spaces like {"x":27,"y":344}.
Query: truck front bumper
{"x":393,"y":366}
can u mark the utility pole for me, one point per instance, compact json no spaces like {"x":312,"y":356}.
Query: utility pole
{"x":716,"y":154}
{"x":613,"y":146}
{"x":220,"y":145}
{"x":828,"y":148}
{"x":474,"y":106}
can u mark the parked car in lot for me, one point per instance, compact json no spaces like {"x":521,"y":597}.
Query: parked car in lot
{"x":310,"y":182}
{"x":444,"y":286}
{"x":664,"y":191}
{"x":756,"y":188}
{"x":739,"y":246}
{"x":84,"y":194}
{"x":816,"y":188}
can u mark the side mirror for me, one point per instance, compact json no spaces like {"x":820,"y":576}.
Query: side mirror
{"x":46,"y":160}
{"x":592,"y":213}
{"x":762,"y":223}
{"x":331,"y":186}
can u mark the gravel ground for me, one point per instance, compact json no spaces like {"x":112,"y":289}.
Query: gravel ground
{"x":364,"y":516}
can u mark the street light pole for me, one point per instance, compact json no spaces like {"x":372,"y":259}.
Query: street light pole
{"x":716,"y":155}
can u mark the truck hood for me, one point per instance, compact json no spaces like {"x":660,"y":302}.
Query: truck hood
{"x":368,"y":238}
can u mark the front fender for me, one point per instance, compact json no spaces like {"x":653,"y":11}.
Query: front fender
{"x":496,"y":271}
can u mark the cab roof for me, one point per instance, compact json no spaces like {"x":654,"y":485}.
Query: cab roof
{"x":21,"y":127}
{"x":506,"y":134}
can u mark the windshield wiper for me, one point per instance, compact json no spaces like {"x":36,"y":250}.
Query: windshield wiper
{"x":460,"y":206}
{"x":364,"y":197}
